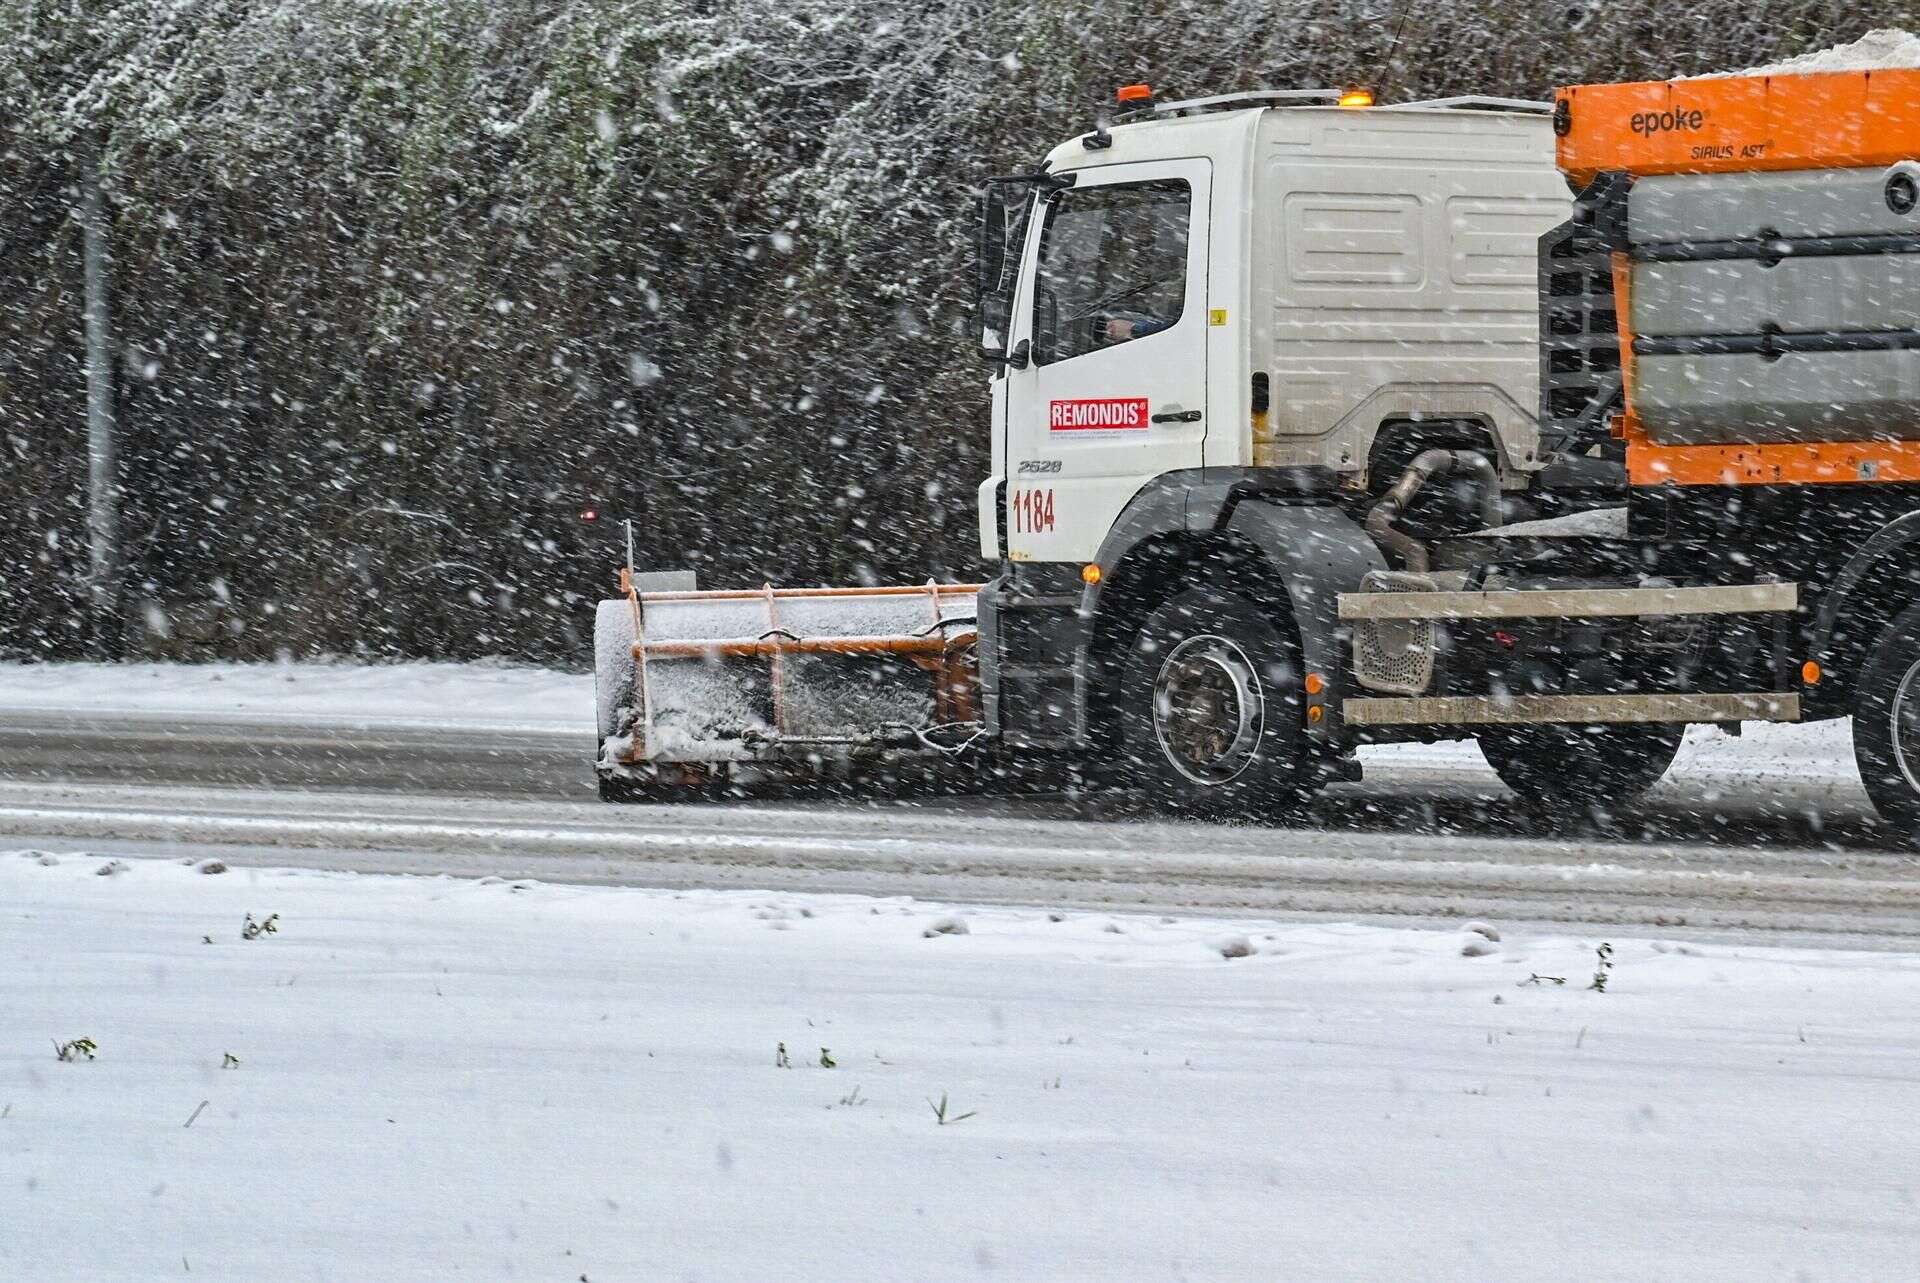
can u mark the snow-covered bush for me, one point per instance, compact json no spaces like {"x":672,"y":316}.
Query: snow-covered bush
{"x":400,"y":289}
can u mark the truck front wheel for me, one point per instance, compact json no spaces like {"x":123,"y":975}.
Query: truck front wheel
{"x":1580,"y":769}
{"x":1886,"y":723}
{"x":1211,"y":709}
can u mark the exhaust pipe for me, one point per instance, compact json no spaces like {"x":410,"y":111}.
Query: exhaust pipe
{"x":1426,"y":466}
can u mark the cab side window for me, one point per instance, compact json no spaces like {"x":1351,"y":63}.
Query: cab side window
{"x":1112,"y":268}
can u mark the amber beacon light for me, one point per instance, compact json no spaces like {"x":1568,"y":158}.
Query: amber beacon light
{"x":1356,"y":97}
{"x":1134,"y":95}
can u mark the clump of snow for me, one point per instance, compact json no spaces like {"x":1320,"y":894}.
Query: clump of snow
{"x":1884,"y":49}
{"x":614,"y":750}
{"x":701,"y":709}
{"x":1483,"y":930}
{"x":1605,"y":523}
{"x":1478,"y":946}
{"x":1233,"y":947}
{"x":948,"y":926}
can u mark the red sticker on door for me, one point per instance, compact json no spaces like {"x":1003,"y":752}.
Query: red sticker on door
{"x":1107,"y":414}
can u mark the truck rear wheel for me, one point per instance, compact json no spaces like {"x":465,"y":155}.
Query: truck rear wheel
{"x":1580,"y":769}
{"x":1886,"y":723}
{"x":1211,"y":708}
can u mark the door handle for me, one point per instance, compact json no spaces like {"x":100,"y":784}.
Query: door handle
{"x":1178,"y":416}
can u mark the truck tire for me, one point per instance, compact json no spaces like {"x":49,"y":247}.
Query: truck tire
{"x":614,"y":691}
{"x":1579,"y":770}
{"x":1211,"y":709}
{"x":1886,"y":723}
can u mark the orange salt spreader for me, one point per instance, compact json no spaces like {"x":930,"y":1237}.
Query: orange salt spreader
{"x":1740,"y":293}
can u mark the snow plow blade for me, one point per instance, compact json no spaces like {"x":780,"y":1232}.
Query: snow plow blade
{"x":778,"y":685}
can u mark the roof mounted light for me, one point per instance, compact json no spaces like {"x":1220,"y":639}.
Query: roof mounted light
{"x":1356,"y":97}
{"x":1140,"y":95}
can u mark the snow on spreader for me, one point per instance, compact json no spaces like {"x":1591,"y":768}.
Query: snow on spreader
{"x":771,"y":684}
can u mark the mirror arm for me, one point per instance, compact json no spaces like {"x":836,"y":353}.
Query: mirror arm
{"x":1014,"y":360}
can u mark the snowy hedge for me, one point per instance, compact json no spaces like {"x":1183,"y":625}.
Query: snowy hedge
{"x":401,"y":287}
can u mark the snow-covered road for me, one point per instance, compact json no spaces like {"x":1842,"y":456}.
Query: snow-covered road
{"x":968,"y":853}
{"x":445,"y":768}
{"x":428,"y":1079}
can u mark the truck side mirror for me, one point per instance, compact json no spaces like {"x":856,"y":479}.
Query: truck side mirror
{"x":990,"y":246}
{"x":1006,"y":208}
{"x":992,"y":300}
{"x":1014,"y":360}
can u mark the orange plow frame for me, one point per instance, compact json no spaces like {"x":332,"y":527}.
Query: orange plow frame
{"x":945,"y":651}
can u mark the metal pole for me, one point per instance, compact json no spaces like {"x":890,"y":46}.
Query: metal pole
{"x":103,"y":481}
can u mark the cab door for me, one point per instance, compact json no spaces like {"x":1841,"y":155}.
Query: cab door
{"x":1114,"y":315}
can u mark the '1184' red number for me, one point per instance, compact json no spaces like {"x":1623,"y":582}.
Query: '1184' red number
{"x":1032,"y":511}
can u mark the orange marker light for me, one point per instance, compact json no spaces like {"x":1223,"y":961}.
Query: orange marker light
{"x":1357,"y":98}
{"x":1133,"y":93}
{"x":1315,"y":683}
{"x":1810,"y":673}
{"x":1090,"y":573}
{"x":1315,"y":712}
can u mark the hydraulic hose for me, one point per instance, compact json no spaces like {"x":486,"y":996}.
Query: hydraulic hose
{"x":1426,"y":466}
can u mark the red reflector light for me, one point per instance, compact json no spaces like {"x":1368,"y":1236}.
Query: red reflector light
{"x":589,"y":514}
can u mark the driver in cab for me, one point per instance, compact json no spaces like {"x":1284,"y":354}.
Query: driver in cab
{"x":1122,"y":328}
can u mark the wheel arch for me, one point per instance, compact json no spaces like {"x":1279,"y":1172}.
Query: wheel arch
{"x":1286,"y":551}
{"x":1867,"y":593}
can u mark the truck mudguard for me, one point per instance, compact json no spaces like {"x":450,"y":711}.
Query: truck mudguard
{"x":1318,"y":552}
{"x":1311,"y":546}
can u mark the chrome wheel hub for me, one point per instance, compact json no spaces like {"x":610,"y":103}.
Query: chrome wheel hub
{"x":1208,"y":710}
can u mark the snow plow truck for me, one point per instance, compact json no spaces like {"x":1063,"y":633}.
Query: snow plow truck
{"x":1559,"y":426}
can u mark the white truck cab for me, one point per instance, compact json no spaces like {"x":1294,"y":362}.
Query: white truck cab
{"x":1266,"y":282}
